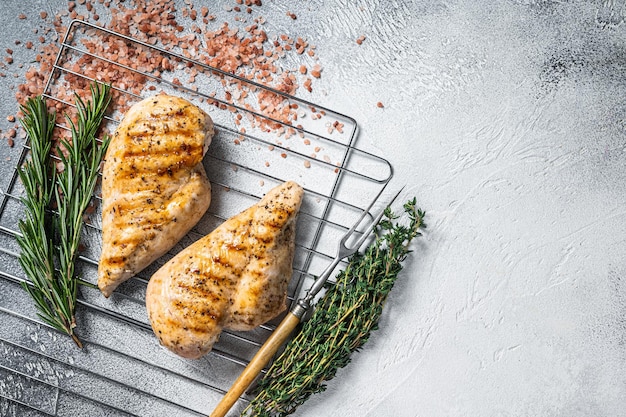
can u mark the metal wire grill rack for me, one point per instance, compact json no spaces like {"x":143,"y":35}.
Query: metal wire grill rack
{"x":122,"y":370}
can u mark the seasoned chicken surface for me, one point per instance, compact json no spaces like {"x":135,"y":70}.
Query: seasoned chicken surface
{"x":236,"y":277}
{"x":154,"y":186}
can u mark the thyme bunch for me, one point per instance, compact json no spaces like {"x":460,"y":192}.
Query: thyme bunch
{"x":49,"y":242}
{"x":342,"y":321}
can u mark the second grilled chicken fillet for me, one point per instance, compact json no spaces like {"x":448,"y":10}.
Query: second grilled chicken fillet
{"x":236,"y":277}
{"x":154,"y":186}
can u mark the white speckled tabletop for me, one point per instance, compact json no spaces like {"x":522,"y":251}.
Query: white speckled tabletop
{"x":507,"y":120}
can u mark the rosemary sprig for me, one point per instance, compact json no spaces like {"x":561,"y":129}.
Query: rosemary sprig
{"x":55,"y":290}
{"x":342,"y":321}
{"x":38,"y":177}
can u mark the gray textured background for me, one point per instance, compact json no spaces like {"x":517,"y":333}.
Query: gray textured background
{"x":507,"y":120}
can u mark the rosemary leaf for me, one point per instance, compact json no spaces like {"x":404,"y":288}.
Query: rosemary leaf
{"x":36,"y":234}
{"x":342,"y":321}
{"x":55,"y":290}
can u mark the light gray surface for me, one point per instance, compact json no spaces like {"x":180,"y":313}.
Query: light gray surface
{"x":507,"y":121}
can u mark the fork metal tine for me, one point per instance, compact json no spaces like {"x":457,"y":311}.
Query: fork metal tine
{"x":365,"y":212}
{"x":342,"y":252}
{"x":368,"y":230}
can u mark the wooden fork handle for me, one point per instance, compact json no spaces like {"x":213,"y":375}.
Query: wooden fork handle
{"x":262,"y":357}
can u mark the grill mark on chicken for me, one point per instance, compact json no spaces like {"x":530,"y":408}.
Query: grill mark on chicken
{"x":236,"y":277}
{"x":144,"y":212}
{"x":206,"y":295}
{"x":145,"y":168}
{"x":154,"y":187}
{"x":193,"y":151}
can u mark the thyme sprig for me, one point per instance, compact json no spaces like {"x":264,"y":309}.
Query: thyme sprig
{"x":50,"y":242}
{"x":342,"y":321}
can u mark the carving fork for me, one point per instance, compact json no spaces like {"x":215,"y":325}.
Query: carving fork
{"x":295,"y":315}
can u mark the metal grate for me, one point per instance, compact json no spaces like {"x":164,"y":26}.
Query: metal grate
{"x":122,"y":370}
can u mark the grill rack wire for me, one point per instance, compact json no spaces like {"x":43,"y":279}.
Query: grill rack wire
{"x":43,"y":374}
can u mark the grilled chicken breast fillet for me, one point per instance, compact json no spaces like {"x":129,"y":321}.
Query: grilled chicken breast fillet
{"x":154,"y":186}
{"x":236,"y":277}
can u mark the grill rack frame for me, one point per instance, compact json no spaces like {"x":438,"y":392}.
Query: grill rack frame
{"x":315,"y":251}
